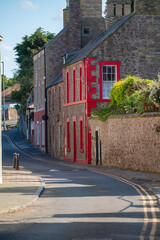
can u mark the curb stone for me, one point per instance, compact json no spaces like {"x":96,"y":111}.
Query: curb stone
{"x":29,"y":202}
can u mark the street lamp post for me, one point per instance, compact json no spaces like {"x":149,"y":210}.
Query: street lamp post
{"x":4,"y":114}
{"x":1,"y":38}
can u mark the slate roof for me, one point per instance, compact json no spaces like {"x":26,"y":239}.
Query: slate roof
{"x":96,"y":42}
{"x":55,"y":81}
{"x":9,"y":90}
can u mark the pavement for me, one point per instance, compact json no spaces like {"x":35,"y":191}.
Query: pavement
{"x":20,"y":187}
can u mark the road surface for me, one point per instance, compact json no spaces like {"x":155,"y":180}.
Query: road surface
{"x":78,"y":204}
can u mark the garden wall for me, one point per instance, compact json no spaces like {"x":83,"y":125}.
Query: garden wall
{"x":128,"y":141}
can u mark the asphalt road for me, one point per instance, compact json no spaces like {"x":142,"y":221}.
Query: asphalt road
{"x":78,"y":204}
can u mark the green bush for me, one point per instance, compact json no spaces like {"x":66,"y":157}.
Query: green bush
{"x":128,"y":96}
{"x":155,"y":93}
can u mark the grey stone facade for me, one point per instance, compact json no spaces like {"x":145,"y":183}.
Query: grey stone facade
{"x":55,"y":120}
{"x":135,"y":45}
{"x":85,"y":21}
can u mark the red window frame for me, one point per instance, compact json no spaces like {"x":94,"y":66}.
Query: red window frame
{"x":81,"y":133}
{"x":80,"y":82}
{"x":74,"y":84}
{"x":68,"y":136}
{"x":107,"y":63}
{"x":68,"y":86}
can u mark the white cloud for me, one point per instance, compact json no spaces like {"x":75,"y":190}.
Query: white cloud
{"x":28,"y":5}
{"x":7,"y":47}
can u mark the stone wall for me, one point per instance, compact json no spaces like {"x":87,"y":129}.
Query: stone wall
{"x":147,"y":7}
{"x":11,"y":114}
{"x":128,"y":141}
{"x":135,"y":45}
{"x":84,"y":14}
{"x":54,"y":51}
{"x":110,"y":17}
{"x":39,"y":81}
{"x":55,"y":121}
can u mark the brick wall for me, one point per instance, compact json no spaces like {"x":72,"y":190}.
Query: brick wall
{"x":128,"y":142}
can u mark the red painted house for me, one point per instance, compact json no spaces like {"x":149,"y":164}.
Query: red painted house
{"x":82,"y":93}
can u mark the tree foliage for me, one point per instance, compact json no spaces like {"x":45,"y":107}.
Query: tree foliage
{"x":24,"y":58}
{"x":7,"y":82}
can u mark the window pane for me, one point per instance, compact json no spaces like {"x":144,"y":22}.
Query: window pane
{"x":113,"y":77}
{"x":104,"y":77}
{"x":104,"y":69}
{"x":113,"y":69}
{"x":109,"y":77}
{"x":107,"y":87}
{"x":109,"y":69}
{"x":104,"y":90}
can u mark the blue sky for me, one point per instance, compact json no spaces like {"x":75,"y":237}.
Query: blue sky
{"x":23,"y":17}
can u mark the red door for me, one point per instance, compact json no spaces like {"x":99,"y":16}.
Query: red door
{"x":74,"y":140}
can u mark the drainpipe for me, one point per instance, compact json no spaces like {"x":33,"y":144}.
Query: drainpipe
{"x":46,"y":127}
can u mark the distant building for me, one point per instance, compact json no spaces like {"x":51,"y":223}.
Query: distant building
{"x":10,"y":111}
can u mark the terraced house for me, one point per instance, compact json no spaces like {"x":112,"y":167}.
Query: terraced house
{"x":129,"y":46}
{"x":74,"y":73}
{"x":82,"y":21}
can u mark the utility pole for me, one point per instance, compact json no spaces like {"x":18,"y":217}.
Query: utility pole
{"x":1,"y":38}
{"x":4,"y":107}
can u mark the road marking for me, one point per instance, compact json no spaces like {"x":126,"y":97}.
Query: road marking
{"x":54,"y":170}
{"x":137,"y":187}
{"x":145,"y":197}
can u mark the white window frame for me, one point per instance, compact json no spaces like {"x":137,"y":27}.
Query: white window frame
{"x":106,"y":83}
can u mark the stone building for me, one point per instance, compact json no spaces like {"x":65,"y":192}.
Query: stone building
{"x":82,"y":21}
{"x":130,"y":46}
{"x":55,"y":120}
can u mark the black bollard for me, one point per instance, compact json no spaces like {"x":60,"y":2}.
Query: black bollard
{"x":17,"y":161}
{"x":14,"y":160}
